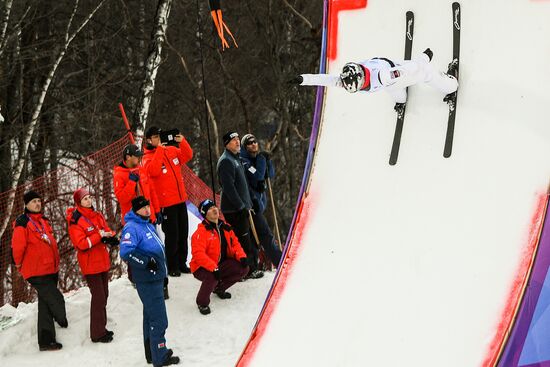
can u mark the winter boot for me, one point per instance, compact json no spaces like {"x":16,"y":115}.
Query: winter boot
{"x":452,"y":69}
{"x":170,"y":359}
{"x":51,"y":346}
{"x":63,"y":323}
{"x":222,"y":294}
{"x":256,"y":274}
{"x":205,"y":310}
{"x":109,"y":332}
{"x":104,"y":339}
{"x":429,"y":53}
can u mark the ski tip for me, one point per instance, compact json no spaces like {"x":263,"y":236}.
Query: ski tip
{"x":410,"y":14}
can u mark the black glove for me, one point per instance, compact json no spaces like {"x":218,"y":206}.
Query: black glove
{"x":217,"y":275}
{"x":134,"y":176}
{"x":266,"y":155}
{"x":159,"y":218}
{"x":152,"y":264}
{"x":297,"y":80}
{"x":255,"y":205}
{"x":244,"y":262}
{"x":261,"y":186}
{"x":111,"y":241}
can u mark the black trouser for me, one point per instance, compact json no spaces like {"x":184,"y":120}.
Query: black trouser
{"x":176,"y":228}
{"x":241,"y":226}
{"x":267,"y":241}
{"x":51,"y":305}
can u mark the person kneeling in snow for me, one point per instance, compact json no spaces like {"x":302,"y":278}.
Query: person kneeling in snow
{"x":141,"y":247}
{"x":218,"y":260}
{"x":380,"y":73}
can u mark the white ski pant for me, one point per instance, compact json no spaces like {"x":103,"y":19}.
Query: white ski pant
{"x":415,"y":71}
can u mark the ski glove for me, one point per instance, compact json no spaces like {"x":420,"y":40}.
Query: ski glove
{"x":152,"y":265}
{"x":244,"y":262}
{"x":111,"y":241}
{"x":296,"y":80}
{"x":134,"y":176}
{"x":159,"y":218}
{"x":217,"y":274}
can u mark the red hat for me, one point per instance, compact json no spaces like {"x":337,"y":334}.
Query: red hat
{"x":79,"y":194}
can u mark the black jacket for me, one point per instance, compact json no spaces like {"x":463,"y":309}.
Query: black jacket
{"x":235,"y":190}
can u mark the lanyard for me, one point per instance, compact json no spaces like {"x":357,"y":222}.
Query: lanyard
{"x":43,"y":235}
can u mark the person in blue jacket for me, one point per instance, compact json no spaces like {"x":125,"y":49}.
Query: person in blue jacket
{"x":141,"y":247}
{"x":259,"y":167}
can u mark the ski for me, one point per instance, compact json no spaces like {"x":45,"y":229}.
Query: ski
{"x":409,"y":29}
{"x":452,"y":101}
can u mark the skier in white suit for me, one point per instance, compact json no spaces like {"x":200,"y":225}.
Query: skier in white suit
{"x":380,"y":73}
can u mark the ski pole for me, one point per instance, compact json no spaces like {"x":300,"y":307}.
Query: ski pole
{"x":253,"y":229}
{"x":274,"y":214}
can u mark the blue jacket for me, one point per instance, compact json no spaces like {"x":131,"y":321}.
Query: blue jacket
{"x":257,"y":169}
{"x":138,"y":244}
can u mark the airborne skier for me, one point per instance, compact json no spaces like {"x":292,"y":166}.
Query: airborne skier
{"x":380,"y":73}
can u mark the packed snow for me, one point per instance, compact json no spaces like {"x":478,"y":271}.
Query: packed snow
{"x":212,"y":340}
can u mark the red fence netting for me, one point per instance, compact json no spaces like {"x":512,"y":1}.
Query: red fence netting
{"x":93,"y":172}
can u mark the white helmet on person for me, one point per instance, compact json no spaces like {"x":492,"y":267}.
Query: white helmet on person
{"x":354,"y":77}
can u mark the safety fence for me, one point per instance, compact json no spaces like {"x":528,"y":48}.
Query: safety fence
{"x":93,"y":172}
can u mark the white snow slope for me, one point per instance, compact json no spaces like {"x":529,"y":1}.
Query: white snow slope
{"x":412,"y":265}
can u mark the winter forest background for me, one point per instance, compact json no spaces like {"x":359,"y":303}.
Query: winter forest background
{"x":66,"y":64}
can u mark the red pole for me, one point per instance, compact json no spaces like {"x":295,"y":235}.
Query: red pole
{"x":125,"y":119}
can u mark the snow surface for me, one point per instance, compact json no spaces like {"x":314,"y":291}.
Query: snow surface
{"x":213,"y":340}
{"x":412,"y":265}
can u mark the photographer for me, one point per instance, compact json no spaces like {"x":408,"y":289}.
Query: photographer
{"x":163,"y":161}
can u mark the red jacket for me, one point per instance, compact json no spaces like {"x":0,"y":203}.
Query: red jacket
{"x":33,"y":246}
{"x":206,"y":246}
{"x":163,"y":164}
{"x":126,"y":189}
{"x":85,"y":225}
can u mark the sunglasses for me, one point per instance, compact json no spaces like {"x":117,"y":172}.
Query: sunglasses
{"x":250,"y":142}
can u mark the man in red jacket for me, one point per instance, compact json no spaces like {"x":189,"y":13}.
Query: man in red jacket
{"x":36,"y":257}
{"x":218,"y":259}
{"x":163,"y":164}
{"x":131,"y":180}
{"x":90,"y":236}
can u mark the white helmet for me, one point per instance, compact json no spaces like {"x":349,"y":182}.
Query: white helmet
{"x":352,"y":77}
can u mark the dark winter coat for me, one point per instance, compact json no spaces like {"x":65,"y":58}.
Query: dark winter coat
{"x":235,"y":190}
{"x":85,"y":225}
{"x":33,"y":245}
{"x":206,"y":246}
{"x":258,"y":170}
{"x":138,"y":244}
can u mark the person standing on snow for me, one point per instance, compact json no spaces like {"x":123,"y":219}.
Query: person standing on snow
{"x":381,"y":73}
{"x":90,"y":236}
{"x":141,"y":247}
{"x":218,"y":259}
{"x":36,"y":257}
{"x":259,"y":167}
{"x":236,"y":202}
{"x":163,"y":165}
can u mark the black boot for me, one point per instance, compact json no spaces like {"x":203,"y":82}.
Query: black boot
{"x":104,"y":339}
{"x":452,"y":69}
{"x":400,"y":109}
{"x":170,"y":359}
{"x":51,"y":346}
{"x":205,"y":310}
{"x":222,"y":294}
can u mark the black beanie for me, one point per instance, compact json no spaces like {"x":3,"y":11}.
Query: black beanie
{"x":139,"y":202}
{"x":153,"y":130}
{"x":205,"y":206}
{"x":30,"y":195}
{"x":229,"y":136}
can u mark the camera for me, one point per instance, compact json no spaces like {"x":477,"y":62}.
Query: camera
{"x":169,"y":137}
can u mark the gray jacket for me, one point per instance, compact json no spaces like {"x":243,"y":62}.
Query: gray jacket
{"x":235,"y":190}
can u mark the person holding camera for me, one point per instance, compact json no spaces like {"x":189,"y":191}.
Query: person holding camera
{"x":36,"y":257}
{"x":90,"y":236}
{"x":142,"y":248}
{"x":165,"y":154}
{"x":259,"y":168}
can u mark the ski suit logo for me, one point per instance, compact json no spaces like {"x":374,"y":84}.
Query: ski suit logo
{"x":457,"y":22}
{"x":409,"y":35}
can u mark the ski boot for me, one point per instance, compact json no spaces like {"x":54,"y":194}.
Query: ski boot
{"x":400,"y":109}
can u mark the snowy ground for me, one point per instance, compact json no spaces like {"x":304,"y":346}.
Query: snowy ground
{"x":213,"y":340}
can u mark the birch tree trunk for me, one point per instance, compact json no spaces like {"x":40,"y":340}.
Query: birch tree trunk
{"x":24,"y":149}
{"x":158,"y":38}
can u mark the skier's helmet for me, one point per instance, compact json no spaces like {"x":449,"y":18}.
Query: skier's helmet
{"x":352,"y":77}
